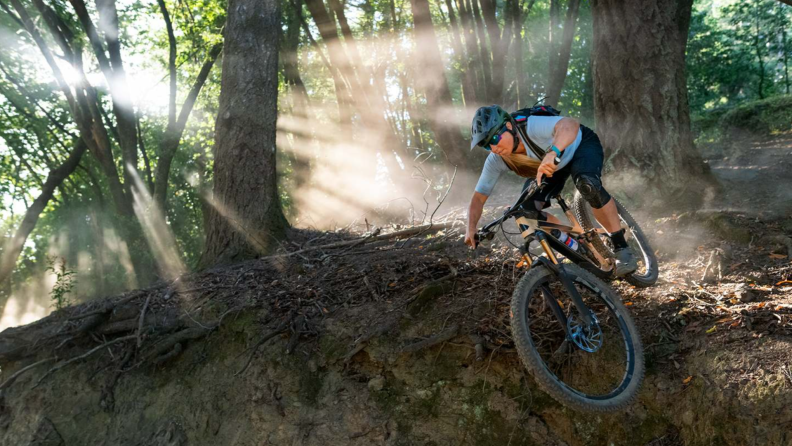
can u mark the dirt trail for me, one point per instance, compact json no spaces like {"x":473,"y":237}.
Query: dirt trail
{"x":345,"y":359}
{"x":757,"y":174}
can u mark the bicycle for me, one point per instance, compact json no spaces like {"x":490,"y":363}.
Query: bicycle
{"x":571,"y":330}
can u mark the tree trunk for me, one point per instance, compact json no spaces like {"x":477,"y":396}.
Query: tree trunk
{"x":246,"y":218}
{"x":13,"y":246}
{"x":302,"y":105}
{"x":173,"y":134}
{"x":484,"y":54}
{"x":468,"y":89}
{"x":640,"y":95}
{"x":434,"y":85}
{"x":759,"y":59}
{"x":786,"y":59}
{"x":560,"y":55}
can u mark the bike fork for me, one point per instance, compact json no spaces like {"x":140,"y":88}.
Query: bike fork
{"x":551,"y":262}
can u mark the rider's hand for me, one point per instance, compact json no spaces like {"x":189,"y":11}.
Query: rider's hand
{"x":470,"y":239}
{"x":548,"y":167}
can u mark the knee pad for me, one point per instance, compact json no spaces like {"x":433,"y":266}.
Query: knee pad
{"x":591,"y":188}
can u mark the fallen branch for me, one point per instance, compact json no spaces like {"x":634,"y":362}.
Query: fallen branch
{"x":443,"y":336}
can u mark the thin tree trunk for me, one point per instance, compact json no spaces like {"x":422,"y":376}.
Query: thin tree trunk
{"x":498,"y":47}
{"x":13,"y":246}
{"x":246,"y":216}
{"x":468,"y":89}
{"x":640,"y":96}
{"x":302,"y":104}
{"x":434,"y":85}
{"x":757,"y":48}
{"x":342,"y":92}
{"x":484,"y":54}
{"x":786,"y":58}
{"x":173,"y":134}
{"x":562,"y":54}
{"x":471,"y":44}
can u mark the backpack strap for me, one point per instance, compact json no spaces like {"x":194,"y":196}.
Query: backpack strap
{"x":521,"y":119}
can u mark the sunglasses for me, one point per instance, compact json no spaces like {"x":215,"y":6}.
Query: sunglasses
{"x":496,"y":138}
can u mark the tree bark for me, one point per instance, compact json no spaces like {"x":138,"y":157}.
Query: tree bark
{"x":560,"y":55}
{"x":640,"y":95}
{"x":434,"y":85}
{"x":246,"y":218}
{"x":13,"y":246}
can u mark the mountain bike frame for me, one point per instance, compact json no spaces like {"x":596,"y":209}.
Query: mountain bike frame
{"x":538,"y":229}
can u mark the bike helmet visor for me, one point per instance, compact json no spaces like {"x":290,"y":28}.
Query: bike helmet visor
{"x":486,"y":123}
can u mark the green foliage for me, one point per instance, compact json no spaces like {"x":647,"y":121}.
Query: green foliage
{"x":738,"y":52}
{"x":761,"y":117}
{"x":64,"y":281}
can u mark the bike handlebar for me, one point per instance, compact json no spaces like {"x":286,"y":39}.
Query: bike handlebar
{"x":486,"y":233}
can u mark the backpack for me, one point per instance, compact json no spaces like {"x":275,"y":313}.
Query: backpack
{"x":521,"y":118}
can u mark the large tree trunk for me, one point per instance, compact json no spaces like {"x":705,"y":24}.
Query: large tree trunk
{"x":640,"y":95}
{"x":434,"y":85}
{"x":246,"y":218}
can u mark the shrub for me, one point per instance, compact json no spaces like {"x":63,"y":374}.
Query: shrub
{"x":764,"y":116}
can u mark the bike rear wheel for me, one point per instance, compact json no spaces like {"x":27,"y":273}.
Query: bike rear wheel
{"x":648,"y":268}
{"x":603,"y":380}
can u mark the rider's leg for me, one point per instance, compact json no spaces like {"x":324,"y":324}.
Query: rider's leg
{"x":586,"y":167}
{"x":608,"y":216}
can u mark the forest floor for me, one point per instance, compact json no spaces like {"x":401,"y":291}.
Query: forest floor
{"x":716,"y":330}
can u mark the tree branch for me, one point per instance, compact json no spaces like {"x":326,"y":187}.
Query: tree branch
{"x":171,"y":63}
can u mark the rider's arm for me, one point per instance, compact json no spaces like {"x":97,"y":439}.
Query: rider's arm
{"x":565,"y":132}
{"x":474,"y":214}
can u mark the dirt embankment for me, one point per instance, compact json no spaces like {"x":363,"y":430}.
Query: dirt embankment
{"x":407,"y":343}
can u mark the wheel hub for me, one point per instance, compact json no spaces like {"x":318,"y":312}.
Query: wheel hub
{"x":587,"y":338}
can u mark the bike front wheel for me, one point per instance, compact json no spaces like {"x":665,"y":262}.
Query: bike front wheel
{"x":599,"y":368}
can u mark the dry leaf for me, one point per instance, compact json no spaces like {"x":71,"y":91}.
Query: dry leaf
{"x":687,"y":380}
{"x":778,"y":256}
{"x":627,"y":304}
{"x":784,"y":282}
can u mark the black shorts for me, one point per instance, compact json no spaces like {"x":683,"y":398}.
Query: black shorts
{"x":588,"y":159}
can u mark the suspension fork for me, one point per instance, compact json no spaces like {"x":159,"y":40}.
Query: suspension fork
{"x":551,"y":262}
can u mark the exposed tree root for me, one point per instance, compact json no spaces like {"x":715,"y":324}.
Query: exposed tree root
{"x":16,"y":375}
{"x":443,"y":336}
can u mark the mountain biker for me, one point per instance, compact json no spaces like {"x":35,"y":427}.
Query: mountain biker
{"x":571,"y":149}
